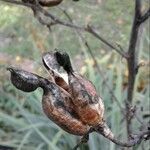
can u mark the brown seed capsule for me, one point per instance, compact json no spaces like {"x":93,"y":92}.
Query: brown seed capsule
{"x":89,"y":106}
{"x":75,"y":107}
{"x":56,"y":104}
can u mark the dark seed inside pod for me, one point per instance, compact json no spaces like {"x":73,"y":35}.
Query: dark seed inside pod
{"x":64,"y":60}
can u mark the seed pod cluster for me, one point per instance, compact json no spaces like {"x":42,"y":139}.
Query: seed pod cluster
{"x":73,"y":105}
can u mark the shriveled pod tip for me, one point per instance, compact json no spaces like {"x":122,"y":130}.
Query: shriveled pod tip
{"x":23,"y":80}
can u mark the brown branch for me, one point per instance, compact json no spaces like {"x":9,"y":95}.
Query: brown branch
{"x":93,"y":32}
{"x":145,"y":16}
{"x":44,"y":22}
{"x":103,"y":129}
{"x":132,"y":61}
{"x":136,"y":139}
{"x":88,"y":29}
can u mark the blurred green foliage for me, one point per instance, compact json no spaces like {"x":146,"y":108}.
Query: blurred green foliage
{"x":22,"y":122}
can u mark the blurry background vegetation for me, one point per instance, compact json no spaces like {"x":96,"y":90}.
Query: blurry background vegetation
{"x":23,"y":40}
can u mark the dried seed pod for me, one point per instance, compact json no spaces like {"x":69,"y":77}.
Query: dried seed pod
{"x":56,"y":104}
{"x":24,"y":80}
{"x":88,"y":104}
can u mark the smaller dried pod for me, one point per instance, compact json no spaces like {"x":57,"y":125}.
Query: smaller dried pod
{"x":23,"y":80}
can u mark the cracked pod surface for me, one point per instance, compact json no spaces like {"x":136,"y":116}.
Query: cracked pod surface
{"x":89,"y":106}
{"x":53,"y":67}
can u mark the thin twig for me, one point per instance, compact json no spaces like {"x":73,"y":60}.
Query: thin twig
{"x":103,"y":129}
{"x":136,"y":139}
{"x":88,"y":29}
{"x":145,"y":16}
{"x":47,"y":23}
{"x":92,"y":31}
